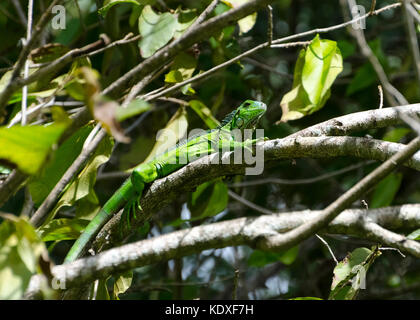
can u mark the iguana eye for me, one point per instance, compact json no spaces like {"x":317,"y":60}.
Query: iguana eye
{"x":239,"y":122}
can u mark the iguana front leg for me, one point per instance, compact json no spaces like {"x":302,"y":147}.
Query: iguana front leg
{"x":140,"y":175}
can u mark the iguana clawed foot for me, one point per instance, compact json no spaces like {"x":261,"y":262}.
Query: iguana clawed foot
{"x":129,"y":212}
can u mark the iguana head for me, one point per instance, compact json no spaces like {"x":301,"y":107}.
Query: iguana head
{"x":245,"y":116}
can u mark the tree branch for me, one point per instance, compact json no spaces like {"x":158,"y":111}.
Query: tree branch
{"x":360,"y":121}
{"x":89,"y":147}
{"x":10,"y":87}
{"x":203,"y":31}
{"x":393,"y":96}
{"x":242,"y":231}
{"x":299,"y":234}
{"x":165,"y":190}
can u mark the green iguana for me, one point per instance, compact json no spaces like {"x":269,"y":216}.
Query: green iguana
{"x":128,"y":195}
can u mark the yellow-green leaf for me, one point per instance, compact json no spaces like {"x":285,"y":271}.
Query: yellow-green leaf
{"x":134,"y":108}
{"x":323,"y":63}
{"x":62,"y":229}
{"x":209,"y":199}
{"x":122,"y":284}
{"x":20,"y":251}
{"x":350,"y":274}
{"x":174,"y":131}
{"x":63,"y":157}
{"x":204,"y":113}
{"x":315,"y":71}
{"x":29,"y":146}
{"x":82,"y":187}
{"x":247,"y":23}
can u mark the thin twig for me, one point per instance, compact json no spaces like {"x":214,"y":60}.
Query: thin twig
{"x":414,"y":123}
{"x":79,"y":12}
{"x":381,"y":97}
{"x":412,"y":38}
{"x":24,"y":102}
{"x":217,"y":68}
{"x":28,"y":204}
{"x":249,"y":204}
{"x":392,"y":249}
{"x":414,"y":13}
{"x":270,"y":25}
{"x":268,"y":68}
{"x":201,"y":17}
{"x":75,"y":167}
{"x":20,"y":12}
{"x":301,"y":181}
{"x":11,"y":85}
{"x":328,"y":247}
{"x":143,"y":83}
{"x":393,"y":96}
{"x":295,"y":236}
{"x":372,"y":7}
{"x":235,"y":285}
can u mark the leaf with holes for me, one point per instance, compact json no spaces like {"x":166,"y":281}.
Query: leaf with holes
{"x":350,"y":273}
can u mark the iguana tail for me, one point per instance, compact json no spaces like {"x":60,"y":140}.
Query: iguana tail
{"x":111,"y":207}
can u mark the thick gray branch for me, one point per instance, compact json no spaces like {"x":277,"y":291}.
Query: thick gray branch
{"x":360,"y":121}
{"x":165,"y":190}
{"x":242,"y":231}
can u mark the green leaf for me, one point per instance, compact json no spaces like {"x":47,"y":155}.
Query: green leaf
{"x":209,"y":199}
{"x":173,"y":76}
{"x":62,"y":229}
{"x":60,"y":162}
{"x":182,"y":68}
{"x":315,"y":71}
{"x":185,"y":19}
{"x":346,"y":48}
{"x":156,"y":30}
{"x":365,"y":76}
{"x":350,"y":273}
{"x":28,"y":147}
{"x":82,"y":187}
{"x":415,"y":235}
{"x":396,"y":134}
{"x":102,"y":292}
{"x":122,"y":284}
{"x":187,"y":90}
{"x":386,"y":190}
{"x":174,"y":131}
{"x":323,"y":63}
{"x":260,"y":258}
{"x":48,"y":52}
{"x":247,"y":23}
{"x":204,"y":113}
{"x":20,"y":251}
{"x":134,"y":108}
